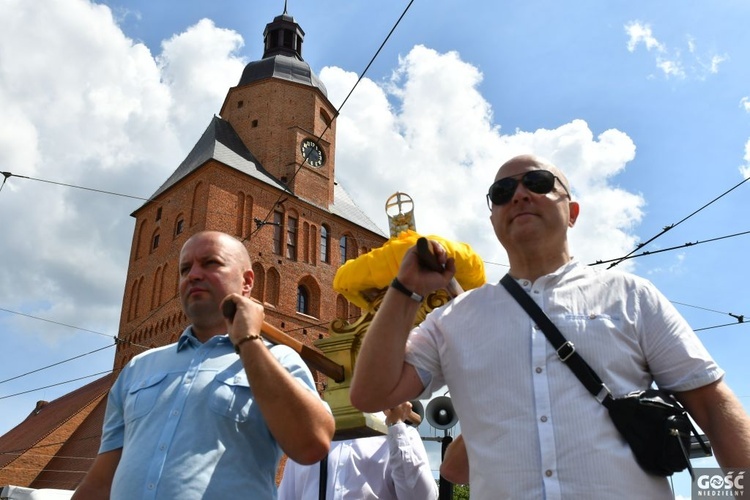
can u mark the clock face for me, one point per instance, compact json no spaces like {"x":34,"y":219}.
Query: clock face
{"x":312,"y":153}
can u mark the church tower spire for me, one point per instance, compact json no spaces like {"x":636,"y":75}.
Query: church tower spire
{"x":283,"y":36}
{"x":281,"y":112}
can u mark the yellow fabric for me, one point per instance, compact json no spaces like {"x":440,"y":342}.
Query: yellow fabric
{"x":377,"y":268}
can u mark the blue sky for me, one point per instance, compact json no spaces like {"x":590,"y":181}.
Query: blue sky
{"x":646,"y":106}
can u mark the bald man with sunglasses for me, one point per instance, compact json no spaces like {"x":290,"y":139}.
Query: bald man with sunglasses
{"x":530,"y":428}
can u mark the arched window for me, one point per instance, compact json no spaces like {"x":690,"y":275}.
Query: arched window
{"x":342,"y":308}
{"x":313,"y":247}
{"x":155,"y":241}
{"x":179,"y":225}
{"x":278,"y":231}
{"x":305,"y":242}
{"x":303,"y":300}
{"x":259,"y":283}
{"x":240,"y":213}
{"x":139,"y":242}
{"x":325,"y":244}
{"x":273,"y":280}
{"x":198,"y":195}
{"x":348,"y":248}
{"x":308,"y":296}
{"x":291,"y":238}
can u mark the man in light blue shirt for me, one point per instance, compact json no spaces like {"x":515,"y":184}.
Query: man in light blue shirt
{"x":209,"y":416}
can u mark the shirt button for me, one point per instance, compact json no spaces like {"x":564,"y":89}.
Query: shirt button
{"x":592,"y":316}
{"x":150,"y":486}
{"x":536,"y":291}
{"x":536,"y":327}
{"x":543,"y":419}
{"x":548,"y":473}
{"x":162,"y":447}
{"x":539,"y":369}
{"x":175,"y":413}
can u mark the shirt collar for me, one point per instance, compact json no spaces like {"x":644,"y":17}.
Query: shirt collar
{"x":553,"y":276}
{"x":188,"y":339}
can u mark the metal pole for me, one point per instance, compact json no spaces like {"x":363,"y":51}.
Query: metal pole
{"x":445,"y":489}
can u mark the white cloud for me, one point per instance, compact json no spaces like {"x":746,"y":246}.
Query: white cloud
{"x":745,"y":169}
{"x":85,"y":105}
{"x":670,"y":67}
{"x":640,"y":33}
{"x":199,"y":66}
{"x":435,"y":139}
{"x":716,"y":60}
{"x":670,"y":60}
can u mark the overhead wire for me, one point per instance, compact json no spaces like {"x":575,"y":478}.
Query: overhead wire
{"x":55,"y":364}
{"x":5,"y":178}
{"x":56,"y":384}
{"x":672,"y":226}
{"x":669,"y":249}
{"x":6,"y":175}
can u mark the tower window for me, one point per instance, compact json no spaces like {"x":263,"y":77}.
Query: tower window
{"x":240,"y":104}
{"x":325,"y":243}
{"x":291,"y":239}
{"x":278,"y":222}
{"x":155,"y":242}
{"x":344,"y":248}
{"x":179,"y":227}
{"x":288,"y":39}
{"x":158,"y":213}
{"x":254,"y":123}
{"x":303,"y":300}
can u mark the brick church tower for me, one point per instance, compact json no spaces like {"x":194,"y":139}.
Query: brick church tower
{"x":264,"y":171}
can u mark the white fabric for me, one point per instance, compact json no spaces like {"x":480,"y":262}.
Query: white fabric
{"x":22,"y":493}
{"x":393,"y":467}
{"x":531,"y":428}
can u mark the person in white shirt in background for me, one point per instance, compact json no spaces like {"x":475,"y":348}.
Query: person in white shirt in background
{"x":391,"y":467}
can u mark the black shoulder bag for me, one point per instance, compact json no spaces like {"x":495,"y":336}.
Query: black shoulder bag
{"x":653,"y":422}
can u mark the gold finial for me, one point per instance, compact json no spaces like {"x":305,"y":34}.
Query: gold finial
{"x":403,"y":219}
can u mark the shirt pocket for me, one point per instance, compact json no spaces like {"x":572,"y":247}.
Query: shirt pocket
{"x":231,"y":396}
{"x":142,"y":396}
{"x":591,"y":326}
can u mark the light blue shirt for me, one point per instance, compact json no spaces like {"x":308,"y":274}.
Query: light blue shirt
{"x":186,"y":420}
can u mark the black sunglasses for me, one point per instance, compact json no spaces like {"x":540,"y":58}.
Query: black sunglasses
{"x":537,"y":181}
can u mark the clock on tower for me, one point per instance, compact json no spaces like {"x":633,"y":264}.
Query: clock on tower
{"x":312,"y":153}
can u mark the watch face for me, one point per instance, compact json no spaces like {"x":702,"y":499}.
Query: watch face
{"x":312,"y":153}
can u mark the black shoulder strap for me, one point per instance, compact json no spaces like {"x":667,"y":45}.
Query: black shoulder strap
{"x":323,"y":478}
{"x":566,"y":351}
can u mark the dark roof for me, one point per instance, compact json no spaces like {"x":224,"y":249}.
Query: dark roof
{"x":221,"y":143}
{"x":282,"y":56}
{"x":283,"y":67}
{"x":47,"y":418}
{"x":68,"y":467}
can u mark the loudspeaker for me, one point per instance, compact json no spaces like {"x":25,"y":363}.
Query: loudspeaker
{"x":418,"y":408}
{"x":440,"y":413}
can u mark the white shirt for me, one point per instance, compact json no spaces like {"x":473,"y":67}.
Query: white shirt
{"x":531,"y":429}
{"x":393,"y":467}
